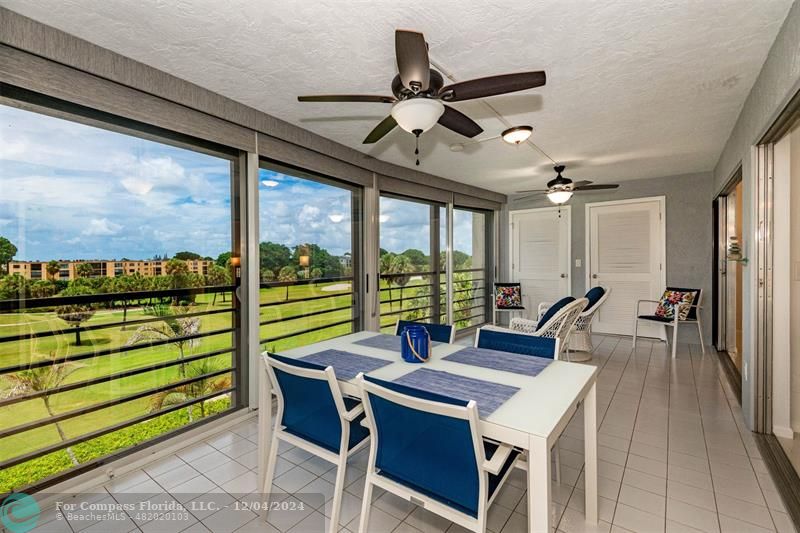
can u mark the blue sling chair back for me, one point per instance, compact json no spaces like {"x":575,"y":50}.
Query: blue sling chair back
{"x":428,"y":449}
{"x":438,"y":332}
{"x":314,"y":416}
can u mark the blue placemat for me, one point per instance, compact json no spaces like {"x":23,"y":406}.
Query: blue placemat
{"x":488,"y":395}
{"x":385,"y":342}
{"x":346,"y":365}
{"x":528,"y":365}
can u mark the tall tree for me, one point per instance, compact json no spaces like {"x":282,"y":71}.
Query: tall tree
{"x":7,"y":253}
{"x":52,"y":269}
{"x":274,"y":256}
{"x":287,"y":274}
{"x":218,"y":276}
{"x":400,"y":268}
{"x":187,"y":256}
{"x":417,"y":258}
{"x":223,"y":259}
{"x":178,"y":271}
{"x":42,"y":380}
{"x":319,"y":258}
{"x":84,"y":270}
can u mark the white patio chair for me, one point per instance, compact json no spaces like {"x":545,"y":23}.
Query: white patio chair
{"x":692,"y":317}
{"x":581,"y":338}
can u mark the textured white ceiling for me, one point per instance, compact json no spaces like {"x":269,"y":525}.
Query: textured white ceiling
{"x":636,"y":88}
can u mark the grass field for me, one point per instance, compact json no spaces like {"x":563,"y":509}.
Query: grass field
{"x":337,"y":298}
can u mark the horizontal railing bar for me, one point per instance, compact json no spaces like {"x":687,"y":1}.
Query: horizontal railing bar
{"x":112,"y":377}
{"x":401,"y":274}
{"x":469,"y":270}
{"x":471,"y":308}
{"x":54,"y":301}
{"x":304,"y":315}
{"x":110,"y":429}
{"x":470,"y":318}
{"x":112,"y":351}
{"x":389,"y":324}
{"x":310,"y":330}
{"x":21,"y":428}
{"x":407,"y":298}
{"x":406,"y":287}
{"x":81,"y":329}
{"x":390,"y":313}
{"x":313,"y":281}
{"x":309,"y":299}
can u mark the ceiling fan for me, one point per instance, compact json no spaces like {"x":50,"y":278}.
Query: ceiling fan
{"x":560,"y":189}
{"x":419,"y":93}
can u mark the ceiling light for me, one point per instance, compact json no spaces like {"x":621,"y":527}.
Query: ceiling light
{"x":417,"y":115}
{"x":336,"y":218}
{"x":560,"y":196}
{"x":269,"y":183}
{"x":517,"y":134}
{"x":458,"y":147}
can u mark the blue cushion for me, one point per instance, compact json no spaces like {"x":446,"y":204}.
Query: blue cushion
{"x":433,"y":454}
{"x":517,"y":343}
{"x":309,"y":409}
{"x":594,"y":296}
{"x":438,"y":332}
{"x":555,"y":308}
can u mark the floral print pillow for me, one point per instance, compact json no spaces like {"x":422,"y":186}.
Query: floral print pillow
{"x":508,"y":296}
{"x":672,"y":299}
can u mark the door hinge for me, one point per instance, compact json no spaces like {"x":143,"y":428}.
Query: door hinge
{"x":660,"y":268}
{"x":659,"y":215}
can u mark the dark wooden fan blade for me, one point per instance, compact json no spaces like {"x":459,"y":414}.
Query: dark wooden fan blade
{"x":412,"y":59}
{"x":580,"y":183}
{"x":347,"y":98}
{"x":386,"y":125}
{"x":491,"y":86}
{"x":460,"y":123}
{"x":537,"y":191}
{"x":595,"y":187}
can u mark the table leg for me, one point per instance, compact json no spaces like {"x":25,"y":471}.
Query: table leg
{"x":539,"y":485}
{"x":590,"y":453}
{"x":264,"y":423}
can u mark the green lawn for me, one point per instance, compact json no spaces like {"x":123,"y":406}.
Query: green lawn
{"x":63,"y":344}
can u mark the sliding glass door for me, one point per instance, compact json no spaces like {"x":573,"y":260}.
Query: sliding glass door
{"x":309,"y":229}
{"x":472,"y":267}
{"x":411,"y":266}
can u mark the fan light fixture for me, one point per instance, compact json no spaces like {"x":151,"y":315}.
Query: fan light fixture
{"x":559,"y":197}
{"x":517,"y":134}
{"x":417,"y":115}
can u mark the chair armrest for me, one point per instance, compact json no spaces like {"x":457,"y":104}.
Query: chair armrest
{"x":640,"y":302}
{"x":499,"y":458}
{"x":523,"y":325}
{"x":353,"y":413}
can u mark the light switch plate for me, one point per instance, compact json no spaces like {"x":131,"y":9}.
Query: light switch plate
{"x":578,"y":263}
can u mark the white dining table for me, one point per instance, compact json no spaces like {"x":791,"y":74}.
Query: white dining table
{"x":532,"y":419}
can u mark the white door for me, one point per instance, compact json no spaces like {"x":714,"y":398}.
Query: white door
{"x":626,"y":254}
{"x":540,"y":255}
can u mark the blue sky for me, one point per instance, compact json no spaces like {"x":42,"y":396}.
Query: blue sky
{"x":70,"y":191}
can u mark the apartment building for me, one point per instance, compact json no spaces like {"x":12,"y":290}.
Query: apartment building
{"x":68,"y":270}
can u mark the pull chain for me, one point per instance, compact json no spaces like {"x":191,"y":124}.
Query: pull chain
{"x":417,"y":133}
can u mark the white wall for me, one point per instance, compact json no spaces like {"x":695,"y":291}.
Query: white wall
{"x":794,"y":276}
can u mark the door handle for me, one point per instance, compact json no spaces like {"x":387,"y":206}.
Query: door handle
{"x":563,"y":275}
{"x":594,"y":276}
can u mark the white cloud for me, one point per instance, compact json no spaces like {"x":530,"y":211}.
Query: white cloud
{"x":269,"y":183}
{"x":336,"y":217}
{"x":137,"y":185}
{"x":102,"y":226}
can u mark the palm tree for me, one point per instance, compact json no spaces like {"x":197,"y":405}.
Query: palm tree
{"x":76,"y":314}
{"x":52,"y":269}
{"x":399,"y":266}
{"x":197,"y":389}
{"x":171,"y":327}
{"x":217,"y":276}
{"x":84,"y":270}
{"x":42,"y":380}
{"x":287,"y":274}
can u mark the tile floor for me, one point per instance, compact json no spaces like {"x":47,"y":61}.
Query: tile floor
{"x":674,"y":456}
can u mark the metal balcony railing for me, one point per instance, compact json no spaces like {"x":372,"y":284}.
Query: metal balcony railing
{"x":79,"y":386}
